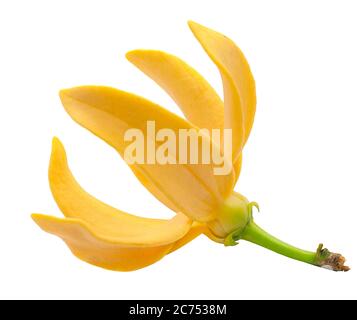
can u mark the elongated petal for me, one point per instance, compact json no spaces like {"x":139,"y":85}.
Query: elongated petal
{"x":238,"y":83}
{"x":198,"y":101}
{"x":100,"y":234}
{"x":111,"y":253}
{"x":104,"y":220}
{"x":108,"y":113}
{"x":193,"y":94}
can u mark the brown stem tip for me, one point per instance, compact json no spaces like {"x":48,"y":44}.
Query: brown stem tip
{"x":335,"y":262}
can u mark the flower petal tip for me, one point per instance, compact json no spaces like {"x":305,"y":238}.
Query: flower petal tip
{"x":131,"y":54}
{"x":34,"y":216}
{"x":42,"y":220}
{"x":192,"y":23}
{"x":58,"y":152}
{"x":56,"y":143}
{"x":63,"y":92}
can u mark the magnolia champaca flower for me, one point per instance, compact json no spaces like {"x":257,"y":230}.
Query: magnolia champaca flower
{"x":204,"y":203}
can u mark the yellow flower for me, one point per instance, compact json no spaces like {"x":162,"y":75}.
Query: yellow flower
{"x":204,"y":203}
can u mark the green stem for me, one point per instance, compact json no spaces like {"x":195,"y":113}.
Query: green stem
{"x":257,"y":235}
{"x":320,"y":258}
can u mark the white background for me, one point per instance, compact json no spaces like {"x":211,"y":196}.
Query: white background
{"x":299,"y":164}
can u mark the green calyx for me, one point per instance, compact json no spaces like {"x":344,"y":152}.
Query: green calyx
{"x":232,"y":217}
{"x":234,"y":236}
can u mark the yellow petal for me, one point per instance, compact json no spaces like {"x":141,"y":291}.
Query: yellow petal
{"x":196,"y":230}
{"x":238,"y":83}
{"x":115,"y":252}
{"x":103,"y":219}
{"x":101,"y":234}
{"x":193,"y":94}
{"x":108,"y":113}
{"x":196,"y":98}
{"x":237,"y":167}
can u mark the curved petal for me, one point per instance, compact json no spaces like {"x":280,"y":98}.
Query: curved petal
{"x":101,"y":234}
{"x":111,"y":253}
{"x":192,"y":93}
{"x":75,"y":202}
{"x":196,"y":98}
{"x":238,"y":83}
{"x":189,"y":188}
